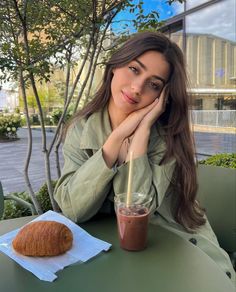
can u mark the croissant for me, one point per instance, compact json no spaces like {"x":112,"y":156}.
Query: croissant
{"x":43,"y":238}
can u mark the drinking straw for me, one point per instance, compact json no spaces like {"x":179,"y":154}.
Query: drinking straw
{"x":128,"y":198}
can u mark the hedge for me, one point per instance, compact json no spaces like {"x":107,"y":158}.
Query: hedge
{"x":13,"y":210}
{"x":223,"y":160}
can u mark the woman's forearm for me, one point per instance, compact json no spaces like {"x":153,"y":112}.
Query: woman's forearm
{"x":111,"y":148}
{"x":139,"y":142}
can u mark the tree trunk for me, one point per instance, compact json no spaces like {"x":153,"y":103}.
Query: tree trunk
{"x":59,"y":136}
{"x":96,"y":59}
{"x":44,"y":145}
{"x":70,"y":96}
{"x":29,"y":151}
{"x":88,"y":73}
{"x":58,"y":143}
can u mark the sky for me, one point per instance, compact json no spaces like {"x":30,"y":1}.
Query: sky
{"x":218,"y":19}
{"x":222,"y":22}
{"x":166,"y":11}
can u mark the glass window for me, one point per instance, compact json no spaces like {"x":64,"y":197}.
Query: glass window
{"x":217,"y":19}
{"x":211,"y":46}
{"x":177,"y":37}
{"x":175,"y":32}
{"x":211,"y":60}
{"x":193,"y":3}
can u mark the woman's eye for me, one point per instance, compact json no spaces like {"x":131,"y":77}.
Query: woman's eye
{"x":133,"y":69}
{"x":155,"y":86}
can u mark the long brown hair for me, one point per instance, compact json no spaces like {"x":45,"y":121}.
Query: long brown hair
{"x":175,"y":119}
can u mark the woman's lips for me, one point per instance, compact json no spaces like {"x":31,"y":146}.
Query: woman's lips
{"x":128,"y":99}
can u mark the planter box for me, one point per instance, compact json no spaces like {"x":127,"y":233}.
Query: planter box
{"x":217,"y":194}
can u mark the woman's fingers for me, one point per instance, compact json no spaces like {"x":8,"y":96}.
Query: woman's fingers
{"x":146,"y":109}
{"x":162,"y":100}
{"x":165,"y":93}
{"x":163,"y":96}
{"x":147,"y":115}
{"x":157,"y":109}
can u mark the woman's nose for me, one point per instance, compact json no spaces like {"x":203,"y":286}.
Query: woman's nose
{"x":137,"y":86}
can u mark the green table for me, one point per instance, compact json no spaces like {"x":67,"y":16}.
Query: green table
{"x":168,"y":264}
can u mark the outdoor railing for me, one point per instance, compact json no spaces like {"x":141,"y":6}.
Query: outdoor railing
{"x":216,"y":118}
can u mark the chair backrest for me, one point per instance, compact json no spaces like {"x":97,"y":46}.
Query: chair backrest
{"x":217,"y":194}
{"x":1,"y":201}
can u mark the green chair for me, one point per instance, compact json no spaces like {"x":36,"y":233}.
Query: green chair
{"x":16,"y":199}
{"x":217,"y":194}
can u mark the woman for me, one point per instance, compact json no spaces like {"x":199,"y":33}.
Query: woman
{"x":142,"y":105}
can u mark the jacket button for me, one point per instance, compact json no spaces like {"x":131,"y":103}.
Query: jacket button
{"x":193,"y":241}
{"x":156,"y":213}
{"x":228,"y":274}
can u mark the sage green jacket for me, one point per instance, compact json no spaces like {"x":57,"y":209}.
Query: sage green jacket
{"x":87,"y":186}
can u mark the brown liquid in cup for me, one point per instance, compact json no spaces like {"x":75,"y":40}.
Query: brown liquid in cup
{"x":132,"y":228}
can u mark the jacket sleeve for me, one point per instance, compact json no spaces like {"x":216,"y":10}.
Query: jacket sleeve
{"x":85,"y":180}
{"x":149,"y":177}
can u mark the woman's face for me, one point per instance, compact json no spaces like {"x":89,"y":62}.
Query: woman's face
{"x":138,"y":83}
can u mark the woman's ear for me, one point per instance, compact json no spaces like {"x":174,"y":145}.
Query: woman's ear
{"x":113,"y":70}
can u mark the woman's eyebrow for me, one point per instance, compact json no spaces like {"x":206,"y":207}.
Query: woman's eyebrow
{"x":145,"y":68}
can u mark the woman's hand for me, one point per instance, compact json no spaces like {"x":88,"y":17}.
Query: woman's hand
{"x":131,"y":123}
{"x":140,"y":140}
{"x":139,"y":123}
{"x":111,"y":147}
{"x":150,"y":118}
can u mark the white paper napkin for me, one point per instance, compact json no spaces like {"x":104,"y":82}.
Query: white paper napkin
{"x":84,"y":248}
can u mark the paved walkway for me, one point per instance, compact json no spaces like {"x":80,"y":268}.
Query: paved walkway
{"x":12,"y":160}
{"x":13,"y":154}
{"x":208,"y":144}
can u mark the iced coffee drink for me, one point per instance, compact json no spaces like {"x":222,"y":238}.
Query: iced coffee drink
{"x":132,"y":222}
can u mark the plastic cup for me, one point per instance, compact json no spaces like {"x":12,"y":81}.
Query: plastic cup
{"x":132,"y":221}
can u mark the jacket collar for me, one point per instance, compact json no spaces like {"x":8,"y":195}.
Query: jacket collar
{"x":96,"y":130}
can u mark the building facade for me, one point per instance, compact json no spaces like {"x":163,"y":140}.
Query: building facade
{"x":9,"y":98}
{"x":206,"y":32}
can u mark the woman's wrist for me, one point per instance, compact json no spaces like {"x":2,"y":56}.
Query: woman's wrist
{"x":111,"y":148}
{"x":143,"y":130}
{"x":139,"y":142}
{"x":118,"y":135}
